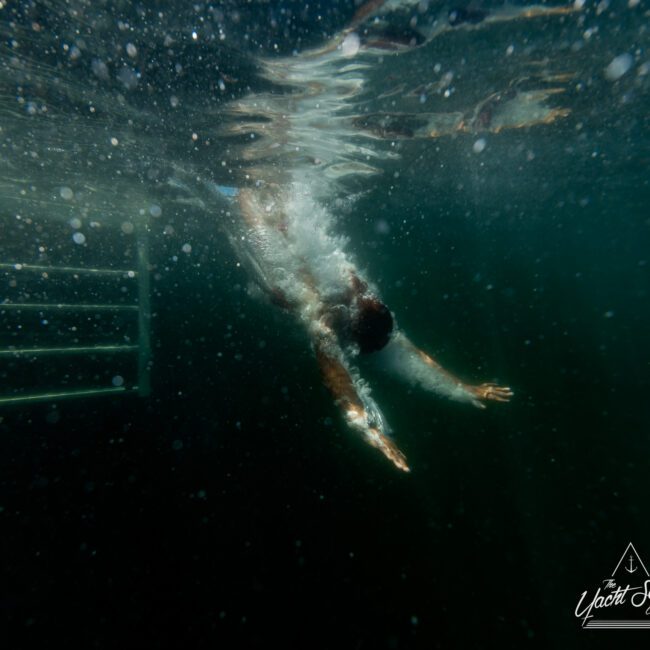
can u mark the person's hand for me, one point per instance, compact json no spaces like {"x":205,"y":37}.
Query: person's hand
{"x":489,"y":392}
{"x":382,"y":442}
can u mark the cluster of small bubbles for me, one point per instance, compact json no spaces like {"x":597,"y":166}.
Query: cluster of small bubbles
{"x":66,"y":193}
{"x":79,"y":238}
{"x":118,"y":380}
{"x":127,"y":227}
{"x":186,"y":248}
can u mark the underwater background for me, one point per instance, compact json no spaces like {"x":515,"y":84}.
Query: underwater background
{"x":231,"y":507}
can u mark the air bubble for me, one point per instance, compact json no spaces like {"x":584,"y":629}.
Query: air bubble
{"x":479,"y":145}
{"x":351,"y":44}
{"x":618,"y":66}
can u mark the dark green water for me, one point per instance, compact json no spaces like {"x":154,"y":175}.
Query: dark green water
{"x":232,"y":508}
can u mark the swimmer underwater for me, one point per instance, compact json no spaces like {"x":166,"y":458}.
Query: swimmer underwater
{"x":283,"y":234}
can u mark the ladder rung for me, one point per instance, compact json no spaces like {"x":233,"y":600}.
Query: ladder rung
{"x":52,"y":397}
{"x":127,"y":273}
{"x":89,"y":349}
{"x":66,"y":307}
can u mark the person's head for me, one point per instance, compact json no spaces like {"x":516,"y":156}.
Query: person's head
{"x":372,"y":325}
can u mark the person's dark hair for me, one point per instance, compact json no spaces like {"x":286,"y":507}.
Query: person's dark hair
{"x":372,"y":327}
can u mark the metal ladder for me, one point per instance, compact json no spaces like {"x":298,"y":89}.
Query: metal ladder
{"x":142,"y":307}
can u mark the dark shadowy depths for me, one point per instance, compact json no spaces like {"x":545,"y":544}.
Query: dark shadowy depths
{"x":233,"y":508}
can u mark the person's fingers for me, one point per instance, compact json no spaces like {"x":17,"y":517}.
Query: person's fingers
{"x":488,"y":390}
{"x":388,"y":448}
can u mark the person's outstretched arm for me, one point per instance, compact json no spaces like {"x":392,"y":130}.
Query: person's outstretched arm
{"x":359,"y":409}
{"x":419,"y":368}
